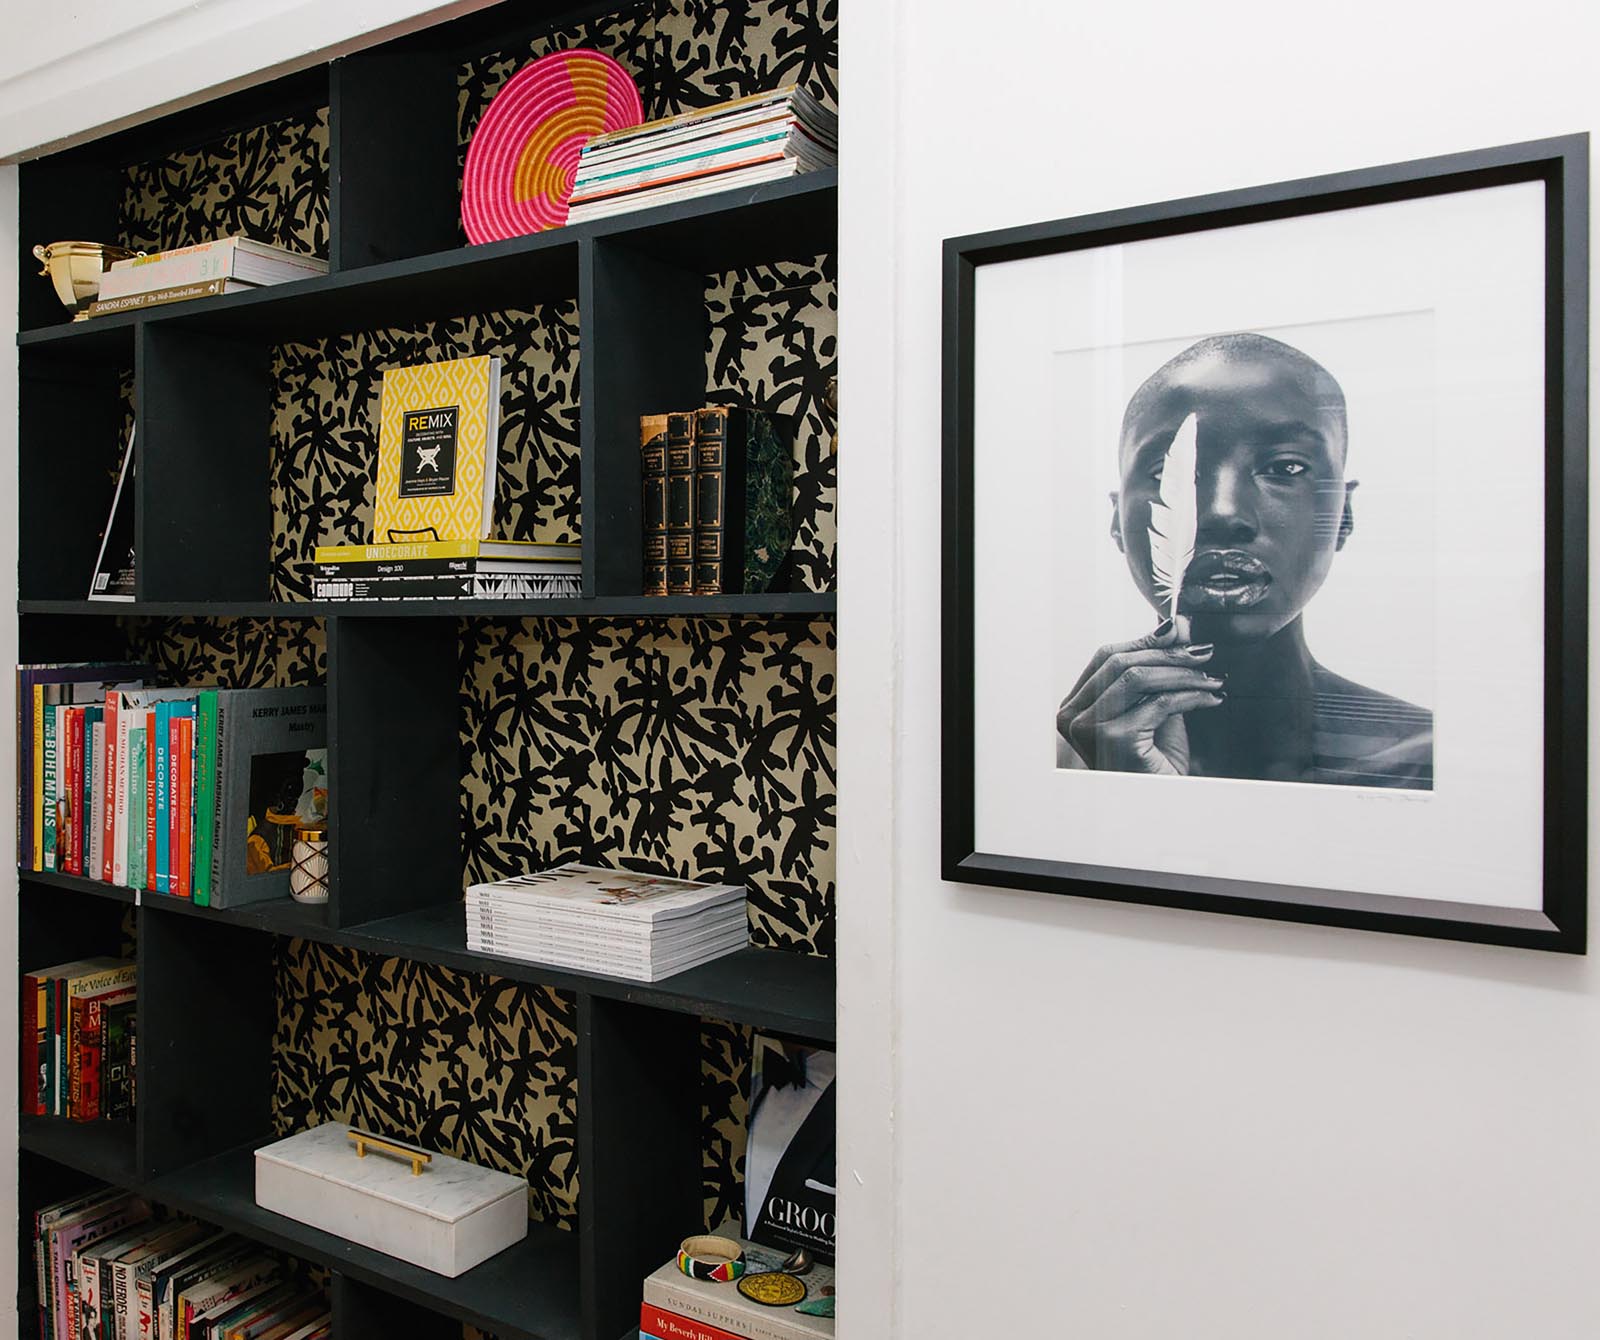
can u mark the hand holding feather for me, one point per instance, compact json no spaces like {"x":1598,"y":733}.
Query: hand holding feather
{"x":1125,"y":713}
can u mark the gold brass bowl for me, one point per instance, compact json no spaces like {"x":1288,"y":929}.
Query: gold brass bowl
{"x":75,"y":267}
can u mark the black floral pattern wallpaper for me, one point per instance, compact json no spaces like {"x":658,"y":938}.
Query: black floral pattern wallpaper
{"x":269,"y":184}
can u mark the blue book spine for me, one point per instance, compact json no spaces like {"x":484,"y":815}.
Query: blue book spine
{"x":163,"y":762}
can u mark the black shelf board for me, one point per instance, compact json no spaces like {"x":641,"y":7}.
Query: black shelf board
{"x":781,"y":220}
{"x":792,"y":219}
{"x":776,"y":604}
{"x":103,"y":1149}
{"x":99,"y":888}
{"x":765,"y":988}
{"x":277,"y":916}
{"x":179,"y":609}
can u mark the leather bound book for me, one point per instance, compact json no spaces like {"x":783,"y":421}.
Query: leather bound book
{"x":680,"y":504}
{"x":744,"y":480}
{"x":653,"y":471}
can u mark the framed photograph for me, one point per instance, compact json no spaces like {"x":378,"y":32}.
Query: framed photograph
{"x":1265,"y":583}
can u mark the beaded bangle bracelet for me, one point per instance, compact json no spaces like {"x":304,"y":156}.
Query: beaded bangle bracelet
{"x":711,"y":1258}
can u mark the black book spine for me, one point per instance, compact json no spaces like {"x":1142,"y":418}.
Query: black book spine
{"x":653,"y":470}
{"x":680,"y":504}
{"x":716,"y":529}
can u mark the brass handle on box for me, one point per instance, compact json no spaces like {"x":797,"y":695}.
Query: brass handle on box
{"x":363,"y":1140}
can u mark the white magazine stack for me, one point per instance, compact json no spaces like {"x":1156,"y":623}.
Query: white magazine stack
{"x":614,"y":922}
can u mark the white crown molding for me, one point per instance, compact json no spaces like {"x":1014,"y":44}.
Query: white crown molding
{"x":65,"y":79}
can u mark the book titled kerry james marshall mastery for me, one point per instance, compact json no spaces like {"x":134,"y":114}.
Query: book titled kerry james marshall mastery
{"x":438,"y":440}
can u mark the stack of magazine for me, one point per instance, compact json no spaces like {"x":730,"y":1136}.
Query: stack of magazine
{"x":755,"y":139}
{"x":614,"y":922}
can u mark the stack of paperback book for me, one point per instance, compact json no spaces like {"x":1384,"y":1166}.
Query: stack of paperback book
{"x":449,"y":570}
{"x":78,"y":1024}
{"x":614,"y":922}
{"x":224,"y":265}
{"x":109,"y":1264}
{"x":676,"y":1307}
{"x":760,"y":138}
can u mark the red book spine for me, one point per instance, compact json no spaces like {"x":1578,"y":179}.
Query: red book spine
{"x":183,"y":758}
{"x":108,"y":816}
{"x":74,"y":1039}
{"x":86,"y":1062}
{"x":653,"y":1321}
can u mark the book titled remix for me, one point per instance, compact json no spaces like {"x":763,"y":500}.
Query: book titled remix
{"x":438,"y":439}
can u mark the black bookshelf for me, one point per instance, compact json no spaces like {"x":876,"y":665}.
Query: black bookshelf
{"x":203,"y":534}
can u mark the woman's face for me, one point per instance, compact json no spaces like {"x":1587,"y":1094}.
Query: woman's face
{"x":1272,"y":500}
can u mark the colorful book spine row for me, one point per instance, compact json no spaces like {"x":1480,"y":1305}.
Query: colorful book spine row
{"x":132,"y":785}
{"x":717,"y":503}
{"x":79,"y":1043}
{"x":110,"y":1266}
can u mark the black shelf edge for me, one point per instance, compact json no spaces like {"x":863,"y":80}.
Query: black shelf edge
{"x":764,"y":988}
{"x":103,"y":1149}
{"x":776,"y":604}
{"x":176,"y":609}
{"x":527,"y":1292}
{"x":98,"y":888}
{"x":781,"y":220}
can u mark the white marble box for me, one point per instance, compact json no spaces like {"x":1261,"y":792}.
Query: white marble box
{"x":447,"y":1219}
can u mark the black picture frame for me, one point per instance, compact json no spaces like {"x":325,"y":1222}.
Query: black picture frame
{"x":1561,"y":164}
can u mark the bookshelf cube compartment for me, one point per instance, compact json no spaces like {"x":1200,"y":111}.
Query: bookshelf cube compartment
{"x":73,"y":423}
{"x":253,"y":162}
{"x":325,"y":409}
{"x":205,"y":1039}
{"x":201,"y":506}
{"x":664,"y":334}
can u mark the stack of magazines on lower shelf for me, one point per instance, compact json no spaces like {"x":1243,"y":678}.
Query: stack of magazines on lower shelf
{"x":614,"y":922}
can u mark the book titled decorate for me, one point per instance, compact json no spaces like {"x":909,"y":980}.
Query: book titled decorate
{"x":438,"y":439}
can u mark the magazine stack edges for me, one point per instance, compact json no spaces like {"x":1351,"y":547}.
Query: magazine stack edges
{"x":759,"y":138}
{"x":615,"y":922}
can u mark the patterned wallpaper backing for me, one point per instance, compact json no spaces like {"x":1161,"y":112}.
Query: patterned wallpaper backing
{"x":704,"y":748}
{"x":269,"y":183}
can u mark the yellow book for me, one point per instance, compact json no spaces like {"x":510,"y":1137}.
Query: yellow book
{"x":531,"y":550}
{"x":438,"y":440}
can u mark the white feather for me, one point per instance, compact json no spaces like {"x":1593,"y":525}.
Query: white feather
{"x":1175,"y":519}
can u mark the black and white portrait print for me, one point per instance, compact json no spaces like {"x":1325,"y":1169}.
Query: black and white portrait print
{"x":1241,"y":497}
{"x":1235,"y":496}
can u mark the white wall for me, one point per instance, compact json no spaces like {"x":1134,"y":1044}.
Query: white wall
{"x":1086,"y":1119}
